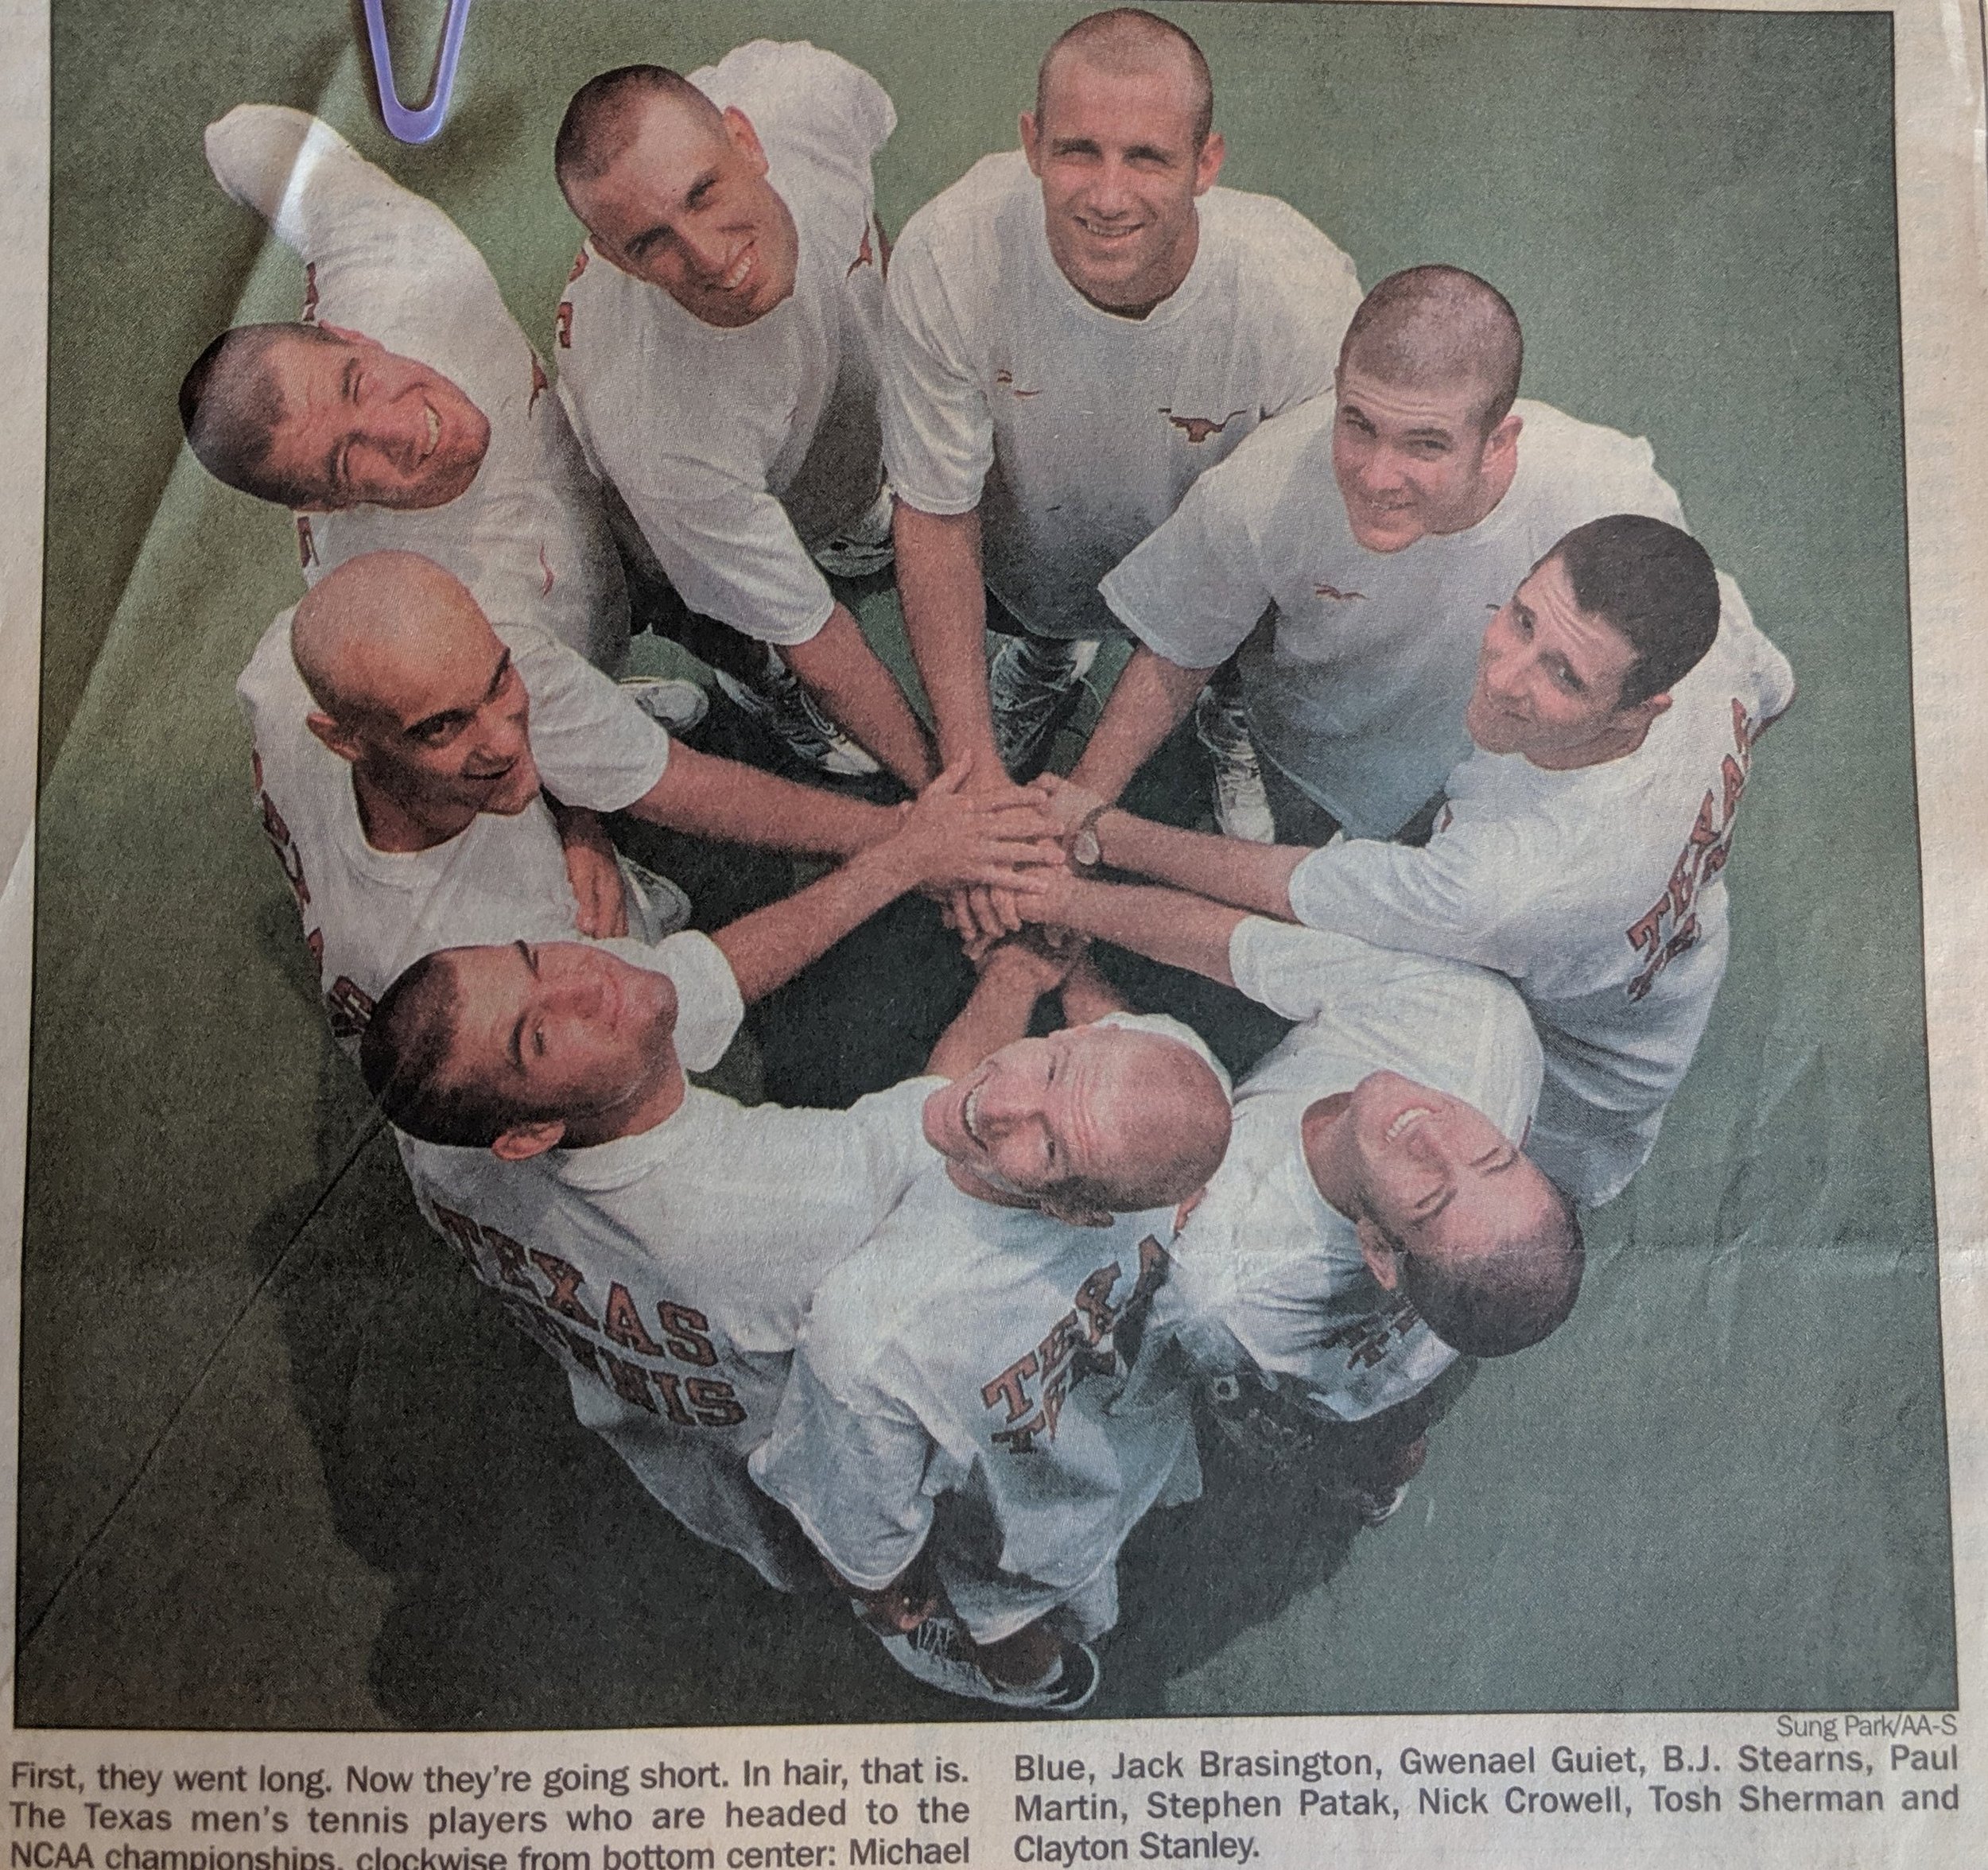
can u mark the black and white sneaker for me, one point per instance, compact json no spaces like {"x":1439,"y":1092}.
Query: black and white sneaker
{"x":1242,"y":806}
{"x":668,"y":908}
{"x":1035,"y":684}
{"x":940,"y":1652}
{"x":676,"y":705}
{"x":863,"y":548}
{"x":780,"y":704}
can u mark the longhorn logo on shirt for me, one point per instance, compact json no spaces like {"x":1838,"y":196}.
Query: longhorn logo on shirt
{"x":1670,"y":926}
{"x":864,"y":256}
{"x":1197,"y":428}
{"x":1031,"y":1391}
{"x":1005,"y":380}
{"x":309,"y":313}
{"x":1339,"y":597}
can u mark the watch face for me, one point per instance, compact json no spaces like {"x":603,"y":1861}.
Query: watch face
{"x":1085,"y":847}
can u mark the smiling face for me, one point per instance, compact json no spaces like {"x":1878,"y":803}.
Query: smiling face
{"x":416,"y":690}
{"x":566,"y":1034}
{"x":685,"y":205}
{"x":1413,"y":460}
{"x":1549,"y":680}
{"x":1089,"y":1120}
{"x":362,"y":426}
{"x":1116,"y":155}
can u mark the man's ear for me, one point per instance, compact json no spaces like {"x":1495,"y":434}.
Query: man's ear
{"x":1383,"y":1258}
{"x":1503,"y":441}
{"x":1030,"y":143}
{"x":337,"y":738}
{"x":1074,"y":1214}
{"x":745,"y":139}
{"x":1651,"y":706}
{"x":1208,"y":163}
{"x":523,"y":1141}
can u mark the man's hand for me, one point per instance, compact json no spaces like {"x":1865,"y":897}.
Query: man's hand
{"x":952,"y":840}
{"x":1067,"y":802}
{"x":592,"y":871}
{"x":1039,"y":960}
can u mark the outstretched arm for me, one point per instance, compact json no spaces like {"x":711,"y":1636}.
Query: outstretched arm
{"x":1014,"y":977}
{"x":946,"y":839}
{"x":1165,"y":925}
{"x":1252,"y":876}
{"x":1147,"y":702}
{"x":938,"y":581}
{"x":713,"y":797}
{"x":845,"y":676}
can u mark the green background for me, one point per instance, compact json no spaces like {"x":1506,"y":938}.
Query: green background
{"x":280,"y":1466}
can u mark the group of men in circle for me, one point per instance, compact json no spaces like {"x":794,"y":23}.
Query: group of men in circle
{"x":1478,"y":709}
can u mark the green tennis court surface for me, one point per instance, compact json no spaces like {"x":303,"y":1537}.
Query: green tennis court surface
{"x":281,"y":1465}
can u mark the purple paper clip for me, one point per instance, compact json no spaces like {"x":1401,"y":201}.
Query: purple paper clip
{"x":421,"y":126}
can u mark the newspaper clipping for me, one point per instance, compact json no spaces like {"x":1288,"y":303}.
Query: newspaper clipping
{"x":979,"y":932}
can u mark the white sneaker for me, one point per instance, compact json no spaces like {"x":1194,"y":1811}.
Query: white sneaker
{"x":940,"y":1652}
{"x":863,"y":547}
{"x":667,"y":903}
{"x":1242,"y":806}
{"x":787,"y":712}
{"x":1035,"y":684}
{"x":676,"y":705}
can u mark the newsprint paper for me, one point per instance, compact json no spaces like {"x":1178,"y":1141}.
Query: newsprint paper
{"x":317,"y":1567}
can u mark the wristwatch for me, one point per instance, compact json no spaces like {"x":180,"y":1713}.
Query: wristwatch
{"x":1085,"y":849}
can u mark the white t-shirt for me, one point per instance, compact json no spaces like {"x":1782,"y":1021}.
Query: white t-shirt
{"x":1601,"y":892}
{"x":368,"y":913}
{"x":1268,"y":1278}
{"x":528,"y":538}
{"x":1358,"y":692}
{"x":669,"y":1271}
{"x":1076,"y":431}
{"x":738,"y":453}
{"x":963,"y":1371}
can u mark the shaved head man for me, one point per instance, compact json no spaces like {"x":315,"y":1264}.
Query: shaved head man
{"x":405,"y":411}
{"x":719,"y":335}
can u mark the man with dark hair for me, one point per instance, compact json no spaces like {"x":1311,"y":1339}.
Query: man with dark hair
{"x":719,"y":335}
{"x":1079,"y":329}
{"x":662,"y":1239}
{"x":408,"y":411}
{"x":958,"y":1438}
{"x":1377,"y":529}
{"x":407,"y":756}
{"x":1582,"y":850}
{"x":1375,"y":1214}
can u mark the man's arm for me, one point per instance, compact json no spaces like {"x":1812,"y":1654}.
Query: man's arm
{"x":844,"y":674}
{"x":944,"y":840}
{"x":1014,"y":977}
{"x":710,"y":796}
{"x":945,"y":604}
{"x":1165,"y":925}
{"x":593,"y":873}
{"x":1252,"y":876}
{"x":1150,"y":700}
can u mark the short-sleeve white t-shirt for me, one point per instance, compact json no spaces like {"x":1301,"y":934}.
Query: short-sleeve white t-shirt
{"x":1600,"y":892}
{"x":528,"y":538}
{"x":668,"y":1273}
{"x":1073,"y":431}
{"x":738,"y":453}
{"x":969,"y":1355}
{"x":1268,"y":1278}
{"x":1357,"y":690}
{"x":369,"y":913}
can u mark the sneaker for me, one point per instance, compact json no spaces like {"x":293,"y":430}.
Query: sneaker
{"x":1035,"y":683}
{"x":863,"y":548}
{"x":668,"y":908}
{"x":676,"y":705}
{"x":1242,"y":806}
{"x":940,"y":1652}
{"x":1378,"y":1505}
{"x":781,"y":705}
